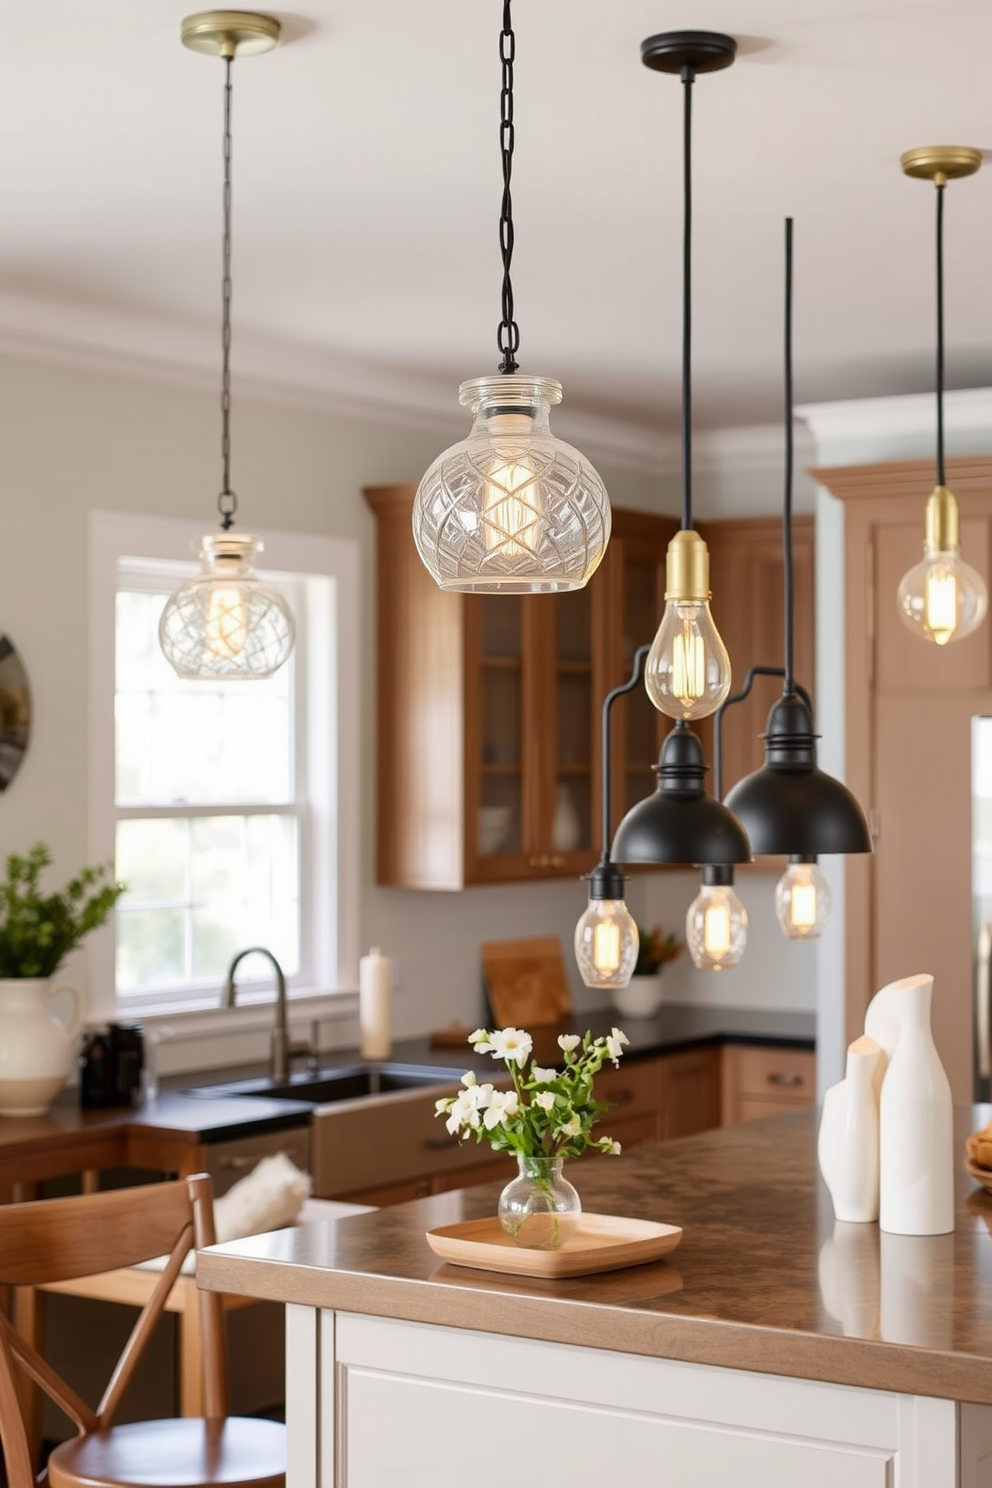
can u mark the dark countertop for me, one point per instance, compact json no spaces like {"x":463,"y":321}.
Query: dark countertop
{"x":764,"y":1279}
{"x":192,"y":1118}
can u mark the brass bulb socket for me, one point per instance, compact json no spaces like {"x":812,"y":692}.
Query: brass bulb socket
{"x":941,"y":529}
{"x":687,"y":569}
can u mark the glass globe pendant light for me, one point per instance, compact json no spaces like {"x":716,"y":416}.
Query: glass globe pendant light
{"x":802,"y":899}
{"x":688,"y":670}
{"x":227,"y":622}
{"x":941,"y":598}
{"x":511,"y":509}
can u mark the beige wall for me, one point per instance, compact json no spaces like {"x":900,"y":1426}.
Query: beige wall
{"x":73,"y":440}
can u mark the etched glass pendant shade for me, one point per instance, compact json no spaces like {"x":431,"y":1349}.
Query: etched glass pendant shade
{"x":716,"y":922}
{"x":802,"y":899}
{"x":606,"y":944}
{"x":227,"y":622}
{"x":511,"y":508}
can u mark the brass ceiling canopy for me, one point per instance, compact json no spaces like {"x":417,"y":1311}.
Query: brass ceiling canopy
{"x":230,"y":33}
{"x":941,"y":163}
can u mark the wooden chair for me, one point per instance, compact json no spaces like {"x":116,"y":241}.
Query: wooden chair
{"x":57,"y":1239}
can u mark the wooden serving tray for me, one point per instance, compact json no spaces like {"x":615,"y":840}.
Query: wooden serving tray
{"x":601,"y":1243}
{"x":980,"y":1175}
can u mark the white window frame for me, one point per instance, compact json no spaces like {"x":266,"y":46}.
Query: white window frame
{"x":329,"y":669}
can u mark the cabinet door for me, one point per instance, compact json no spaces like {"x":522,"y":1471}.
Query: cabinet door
{"x":568,"y":763}
{"x":690,"y":1092}
{"x":500,"y":825}
{"x":761,"y":1080}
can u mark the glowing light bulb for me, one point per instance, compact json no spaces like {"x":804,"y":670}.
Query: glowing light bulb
{"x":942,"y":598}
{"x":687,"y":674}
{"x":802,"y":900}
{"x":606,"y":944}
{"x":513,"y":518}
{"x":716,"y":922}
{"x":226,"y":629}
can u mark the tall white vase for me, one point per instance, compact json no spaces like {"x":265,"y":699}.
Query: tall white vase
{"x":36,"y":1047}
{"x":848,"y":1141}
{"x":916,"y":1146}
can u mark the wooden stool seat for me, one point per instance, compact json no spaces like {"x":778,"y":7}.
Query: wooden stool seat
{"x":236,"y":1452}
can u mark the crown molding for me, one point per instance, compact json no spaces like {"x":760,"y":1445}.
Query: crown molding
{"x":968,"y":410}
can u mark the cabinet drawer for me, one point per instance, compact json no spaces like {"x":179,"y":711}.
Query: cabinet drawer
{"x":631,"y":1091}
{"x":777,"y":1074}
{"x":226,"y":1162}
{"x":375,"y":1143}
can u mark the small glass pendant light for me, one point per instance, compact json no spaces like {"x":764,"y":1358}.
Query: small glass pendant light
{"x":802,"y":899}
{"x":716,"y":921}
{"x":511,"y":509}
{"x":227,"y":622}
{"x":941,"y":598}
{"x":688,"y":670}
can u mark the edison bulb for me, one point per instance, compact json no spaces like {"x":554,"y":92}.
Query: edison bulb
{"x":943,"y":598}
{"x":716,"y":926}
{"x":227,"y":621}
{"x":802,"y":900}
{"x":687,"y":674}
{"x":606,"y":943}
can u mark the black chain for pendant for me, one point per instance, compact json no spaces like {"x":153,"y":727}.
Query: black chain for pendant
{"x":227,"y":502}
{"x":508,"y":335}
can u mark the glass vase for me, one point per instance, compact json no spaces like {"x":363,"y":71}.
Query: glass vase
{"x":539,"y":1208}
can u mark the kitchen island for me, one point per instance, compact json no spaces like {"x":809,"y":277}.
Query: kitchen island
{"x":773,"y":1347}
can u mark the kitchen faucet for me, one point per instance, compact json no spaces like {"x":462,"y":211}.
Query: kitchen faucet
{"x":282,"y":1048}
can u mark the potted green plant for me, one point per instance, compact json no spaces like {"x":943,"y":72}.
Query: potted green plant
{"x":37,"y":932}
{"x":643,"y":995}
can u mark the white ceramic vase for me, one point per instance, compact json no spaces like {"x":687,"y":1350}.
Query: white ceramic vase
{"x":848,"y":1145}
{"x":916,"y":1146}
{"x":36,"y":1046}
{"x":566,"y":828}
{"x":641,"y":998}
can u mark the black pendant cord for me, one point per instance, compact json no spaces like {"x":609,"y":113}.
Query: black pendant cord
{"x":227,"y":502}
{"x":789,"y":683}
{"x":688,"y":78}
{"x":940,"y":333}
{"x":508,"y":335}
{"x":640,"y":657}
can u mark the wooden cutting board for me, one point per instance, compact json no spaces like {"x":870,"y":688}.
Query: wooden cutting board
{"x":525,"y":981}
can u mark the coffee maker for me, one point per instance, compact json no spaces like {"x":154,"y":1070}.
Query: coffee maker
{"x":110,"y":1066}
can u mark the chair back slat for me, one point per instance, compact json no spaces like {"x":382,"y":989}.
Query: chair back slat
{"x":39,"y":1370}
{"x":46,"y":1240}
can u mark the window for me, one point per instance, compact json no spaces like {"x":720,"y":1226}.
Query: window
{"x":220,"y":801}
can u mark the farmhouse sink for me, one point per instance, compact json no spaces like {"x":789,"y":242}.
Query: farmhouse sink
{"x":349,"y":1082}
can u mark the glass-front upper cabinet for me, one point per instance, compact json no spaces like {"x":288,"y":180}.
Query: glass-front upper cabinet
{"x":497,"y":629}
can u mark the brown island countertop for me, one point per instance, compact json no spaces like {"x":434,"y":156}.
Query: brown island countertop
{"x":764,"y":1279}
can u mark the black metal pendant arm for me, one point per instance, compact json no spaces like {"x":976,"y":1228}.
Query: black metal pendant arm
{"x":606,"y":880}
{"x":738,"y":697}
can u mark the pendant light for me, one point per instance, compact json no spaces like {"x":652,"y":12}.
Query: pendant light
{"x":688,"y":669}
{"x":942,"y":598}
{"x":716,"y":920}
{"x":606,"y":938}
{"x":227,"y":622}
{"x":511,"y":509}
{"x":802,"y":899}
{"x":791,"y":806}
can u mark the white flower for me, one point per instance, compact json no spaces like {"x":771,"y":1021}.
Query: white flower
{"x":468,"y":1078}
{"x":571,"y":1128}
{"x":542,"y":1076}
{"x":503,"y":1104}
{"x":444,"y":1104}
{"x":480,"y":1041}
{"x":545,"y":1099}
{"x":464,"y":1110}
{"x":615,"y":1044}
{"x":512,"y":1045}
{"x":568,"y":1041}
{"x":608,"y":1146}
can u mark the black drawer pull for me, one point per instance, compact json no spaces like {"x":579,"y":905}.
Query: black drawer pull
{"x":438,"y":1144}
{"x":789,"y":1078}
{"x":620,"y":1097}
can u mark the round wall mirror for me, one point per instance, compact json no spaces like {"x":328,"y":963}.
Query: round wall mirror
{"x":15,"y":711}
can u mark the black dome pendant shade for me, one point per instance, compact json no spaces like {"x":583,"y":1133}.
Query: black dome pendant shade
{"x":790,"y":805}
{"x":680,"y":823}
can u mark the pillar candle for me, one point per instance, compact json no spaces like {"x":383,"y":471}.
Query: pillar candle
{"x":374,"y":997}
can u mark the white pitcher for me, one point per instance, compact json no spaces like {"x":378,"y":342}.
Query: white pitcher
{"x":36,"y":1046}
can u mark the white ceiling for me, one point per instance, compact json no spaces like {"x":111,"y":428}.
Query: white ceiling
{"x":367,"y":190}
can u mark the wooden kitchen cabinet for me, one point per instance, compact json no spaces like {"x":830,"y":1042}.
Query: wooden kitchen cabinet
{"x":763,"y":1080}
{"x":909,"y":711}
{"x":747,"y":576}
{"x":490,"y":707}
